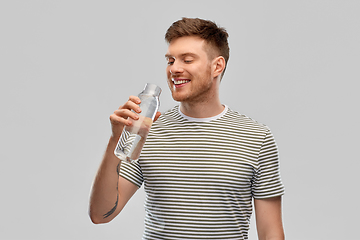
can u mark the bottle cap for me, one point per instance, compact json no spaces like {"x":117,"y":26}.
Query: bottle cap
{"x":153,"y":89}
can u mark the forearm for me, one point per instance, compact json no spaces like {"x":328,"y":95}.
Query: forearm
{"x":110,"y":192}
{"x":104,"y":200}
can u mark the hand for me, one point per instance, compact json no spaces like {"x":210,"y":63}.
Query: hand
{"x":123,"y":115}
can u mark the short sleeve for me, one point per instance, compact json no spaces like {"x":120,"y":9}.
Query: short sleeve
{"x":267,"y":181}
{"x":132,"y":172}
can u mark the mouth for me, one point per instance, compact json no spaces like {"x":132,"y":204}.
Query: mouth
{"x":177,"y":81}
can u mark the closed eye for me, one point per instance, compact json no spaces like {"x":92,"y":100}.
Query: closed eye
{"x":170,"y":60}
{"x":188,"y":59}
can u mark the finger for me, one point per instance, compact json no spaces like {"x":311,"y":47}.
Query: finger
{"x":124,"y":114}
{"x":132,"y":104}
{"x":135,"y":99}
{"x":157,"y":116}
{"x":118,"y":120}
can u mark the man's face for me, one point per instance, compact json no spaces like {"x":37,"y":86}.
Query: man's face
{"x":189,"y":70}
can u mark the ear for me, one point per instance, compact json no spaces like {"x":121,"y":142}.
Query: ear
{"x":218,"y":66}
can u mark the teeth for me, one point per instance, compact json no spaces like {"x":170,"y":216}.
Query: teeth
{"x":180,"y":81}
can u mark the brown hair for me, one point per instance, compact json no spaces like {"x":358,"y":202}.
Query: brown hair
{"x":215,"y":36}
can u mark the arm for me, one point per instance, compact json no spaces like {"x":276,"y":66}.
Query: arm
{"x":110,"y":192}
{"x":268,"y":218}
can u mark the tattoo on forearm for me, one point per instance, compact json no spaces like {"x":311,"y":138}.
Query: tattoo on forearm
{"x":117,"y":197}
{"x":118,"y":168}
{"x":113,"y":209}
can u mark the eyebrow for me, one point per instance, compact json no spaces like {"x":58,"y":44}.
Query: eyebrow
{"x":181,"y":55}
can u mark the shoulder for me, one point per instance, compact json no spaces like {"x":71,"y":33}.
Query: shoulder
{"x":172,"y":115}
{"x":168,"y":117}
{"x":243,"y":121}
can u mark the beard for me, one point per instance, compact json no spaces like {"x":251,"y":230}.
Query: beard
{"x":199,"y":89}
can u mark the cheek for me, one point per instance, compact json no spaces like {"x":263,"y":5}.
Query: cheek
{"x":170,"y":85}
{"x":167,"y":71}
{"x":201,"y":72}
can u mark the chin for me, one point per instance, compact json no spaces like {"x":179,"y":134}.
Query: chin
{"x":179,"y":97}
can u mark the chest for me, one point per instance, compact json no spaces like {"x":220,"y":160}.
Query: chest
{"x":198,"y":157}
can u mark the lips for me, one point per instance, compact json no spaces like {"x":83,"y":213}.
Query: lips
{"x":180,"y":81}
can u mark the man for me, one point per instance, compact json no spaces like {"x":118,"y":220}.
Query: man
{"x":202,"y":163}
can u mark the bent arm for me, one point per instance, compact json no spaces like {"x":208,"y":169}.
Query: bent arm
{"x":110,"y":192}
{"x":269,"y":218}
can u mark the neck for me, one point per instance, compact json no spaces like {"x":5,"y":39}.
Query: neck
{"x":201,"y":111}
{"x":208,"y":107}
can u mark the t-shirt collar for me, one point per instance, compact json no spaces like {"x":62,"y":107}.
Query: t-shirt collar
{"x":208,"y":119}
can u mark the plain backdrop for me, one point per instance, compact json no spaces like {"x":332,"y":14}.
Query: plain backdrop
{"x":65,"y":66}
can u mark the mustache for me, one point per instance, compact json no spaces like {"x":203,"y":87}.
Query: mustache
{"x":173,"y":76}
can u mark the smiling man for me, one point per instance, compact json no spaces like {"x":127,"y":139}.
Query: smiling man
{"x":190,"y":66}
{"x":203,"y":164}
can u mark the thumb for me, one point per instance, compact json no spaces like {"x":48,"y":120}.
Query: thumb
{"x":157,"y":116}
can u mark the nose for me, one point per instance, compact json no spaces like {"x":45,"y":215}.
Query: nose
{"x":175,"y":68}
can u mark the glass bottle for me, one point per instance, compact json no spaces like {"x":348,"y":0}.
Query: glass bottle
{"x":133,"y":137}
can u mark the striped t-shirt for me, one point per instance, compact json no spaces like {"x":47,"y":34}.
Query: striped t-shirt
{"x":200,"y":175}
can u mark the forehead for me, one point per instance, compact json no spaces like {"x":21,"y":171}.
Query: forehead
{"x":186,"y":45}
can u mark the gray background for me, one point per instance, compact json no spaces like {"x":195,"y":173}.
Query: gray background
{"x":65,"y":66}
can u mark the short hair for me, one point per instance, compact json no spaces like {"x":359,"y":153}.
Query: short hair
{"x":215,"y":36}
